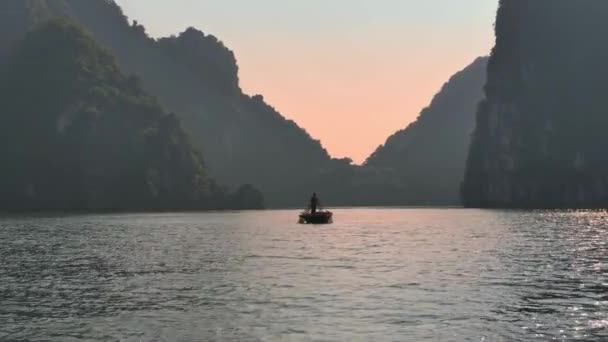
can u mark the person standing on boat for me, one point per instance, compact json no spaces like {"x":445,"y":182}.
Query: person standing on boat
{"x":314,"y":203}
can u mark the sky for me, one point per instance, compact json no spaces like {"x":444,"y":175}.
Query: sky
{"x":350,"y":72}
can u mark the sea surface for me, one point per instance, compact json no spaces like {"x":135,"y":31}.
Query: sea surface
{"x":374,"y":275}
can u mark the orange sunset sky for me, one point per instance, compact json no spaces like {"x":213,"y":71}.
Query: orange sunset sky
{"x":351,"y":72}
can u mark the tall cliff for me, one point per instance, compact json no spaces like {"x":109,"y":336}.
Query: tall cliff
{"x":243,"y":139}
{"x":77,"y":134}
{"x":426,"y":161}
{"x":541,"y":135}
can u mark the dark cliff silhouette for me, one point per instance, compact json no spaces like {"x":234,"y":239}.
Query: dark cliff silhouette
{"x":243,"y":139}
{"x":246,"y":141}
{"x":426,"y":161}
{"x":77,"y":134}
{"x":541,"y":135}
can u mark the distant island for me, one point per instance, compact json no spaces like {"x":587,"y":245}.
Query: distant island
{"x":426,"y":161}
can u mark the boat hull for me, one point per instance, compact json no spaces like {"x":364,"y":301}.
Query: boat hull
{"x":317,"y":218}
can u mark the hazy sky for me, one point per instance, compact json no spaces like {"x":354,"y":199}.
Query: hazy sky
{"x":351,"y":72}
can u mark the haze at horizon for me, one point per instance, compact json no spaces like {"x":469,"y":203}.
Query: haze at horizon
{"x":350,"y":72}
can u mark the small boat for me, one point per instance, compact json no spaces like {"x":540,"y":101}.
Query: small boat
{"x":315,"y":214}
{"x":319,"y":217}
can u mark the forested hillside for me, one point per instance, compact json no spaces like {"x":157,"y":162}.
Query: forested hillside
{"x":77,"y":134}
{"x":243,"y":139}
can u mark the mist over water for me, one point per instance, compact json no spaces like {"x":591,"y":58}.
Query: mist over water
{"x":376,"y":274}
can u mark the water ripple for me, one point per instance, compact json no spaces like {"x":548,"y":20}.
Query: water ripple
{"x":376,"y":274}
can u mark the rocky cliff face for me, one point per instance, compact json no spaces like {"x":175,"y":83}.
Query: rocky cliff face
{"x":427,"y":159}
{"x":541,"y":130}
{"x":77,"y":134}
{"x":243,"y":139}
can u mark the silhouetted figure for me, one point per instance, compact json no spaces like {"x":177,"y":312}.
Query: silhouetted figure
{"x":314,"y":203}
{"x":314,"y":214}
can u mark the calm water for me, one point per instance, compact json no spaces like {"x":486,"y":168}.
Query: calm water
{"x":375,"y":275}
